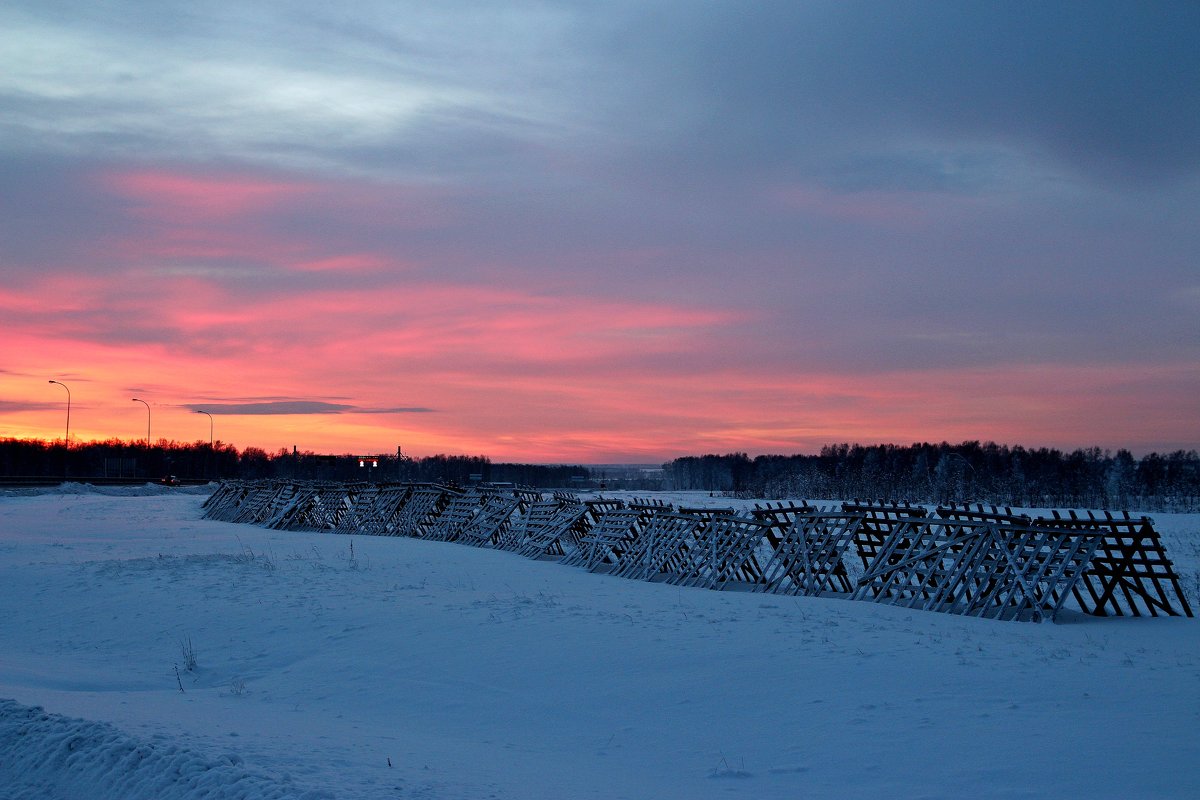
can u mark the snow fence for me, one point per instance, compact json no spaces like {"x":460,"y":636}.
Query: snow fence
{"x":971,"y":560}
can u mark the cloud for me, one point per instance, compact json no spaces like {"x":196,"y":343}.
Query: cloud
{"x":395,"y":410}
{"x":172,"y":195}
{"x":16,"y":406}
{"x":851,"y":90}
{"x":281,"y":407}
{"x":301,"y":87}
{"x":946,"y":94}
{"x":572,"y":223}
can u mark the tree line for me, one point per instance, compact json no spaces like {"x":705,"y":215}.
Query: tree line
{"x":919,"y":473}
{"x":987,"y":473}
{"x":116,"y":460}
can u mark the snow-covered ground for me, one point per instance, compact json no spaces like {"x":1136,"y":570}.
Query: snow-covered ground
{"x":359,"y":667}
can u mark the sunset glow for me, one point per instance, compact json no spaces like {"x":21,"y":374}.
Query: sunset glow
{"x":365,"y":251}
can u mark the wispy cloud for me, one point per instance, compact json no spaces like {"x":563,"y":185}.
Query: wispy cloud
{"x":15,"y":406}
{"x":282,"y":407}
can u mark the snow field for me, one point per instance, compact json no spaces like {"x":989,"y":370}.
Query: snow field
{"x":48,"y":755}
{"x":481,"y":674}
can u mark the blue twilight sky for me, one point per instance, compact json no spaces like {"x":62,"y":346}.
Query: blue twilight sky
{"x":603,"y":231}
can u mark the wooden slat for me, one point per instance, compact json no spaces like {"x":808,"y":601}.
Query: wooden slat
{"x":460,"y":510}
{"x":376,"y":519}
{"x":486,"y":527}
{"x":609,"y":538}
{"x":418,"y":512}
{"x":549,"y":534}
{"x":879,"y":520}
{"x":659,"y":545}
{"x":809,"y":557}
{"x":1130,"y":573}
{"x":721,"y":552}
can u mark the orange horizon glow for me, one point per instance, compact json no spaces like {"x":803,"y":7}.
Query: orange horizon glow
{"x":204,"y":300}
{"x":623,"y":432}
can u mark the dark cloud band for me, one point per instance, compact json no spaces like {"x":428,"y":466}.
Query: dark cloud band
{"x":298,"y":407}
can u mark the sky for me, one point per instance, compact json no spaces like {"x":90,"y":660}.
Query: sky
{"x":601,"y":232}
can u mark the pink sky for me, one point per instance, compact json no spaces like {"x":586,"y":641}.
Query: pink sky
{"x":438,"y":365}
{"x":499,"y":232}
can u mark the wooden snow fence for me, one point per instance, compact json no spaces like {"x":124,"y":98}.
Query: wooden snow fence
{"x":287,"y":504}
{"x":257,"y":501}
{"x":460,"y":510}
{"x":723,"y":553}
{"x":780,"y":515}
{"x":284,"y":502}
{"x":311,"y":507}
{"x":360,"y":500}
{"x":586,"y":545}
{"x":649,"y":505}
{"x":545,"y":529}
{"x":1130,"y":573}
{"x":610,"y":537}
{"x":974,"y":560}
{"x":389,"y":505}
{"x":706,"y":514}
{"x":337,"y":501}
{"x":982,"y":513}
{"x":880,"y":519}
{"x":490,"y":523}
{"x":646,"y":542}
{"x":809,"y":552}
{"x":659,"y":547}
{"x":645,"y":509}
{"x":978,"y":568}
{"x":263,"y":501}
{"x":602,"y":505}
{"x":223,"y":503}
{"x":612,"y":533}
{"x":425,"y":502}
{"x":526,"y":497}
{"x":379,"y":508}
{"x":230,"y":505}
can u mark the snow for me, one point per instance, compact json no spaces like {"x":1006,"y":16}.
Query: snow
{"x":374,"y":667}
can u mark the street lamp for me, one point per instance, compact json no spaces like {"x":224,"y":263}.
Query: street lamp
{"x":147,"y":405}
{"x":68,"y":437}
{"x":210,"y":427}
{"x":209,"y":455}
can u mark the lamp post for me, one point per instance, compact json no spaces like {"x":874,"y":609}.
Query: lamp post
{"x":67,"y":440}
{"x":147,"y":405}
{"x":210,"y":427}
{"x":209,"y":455}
